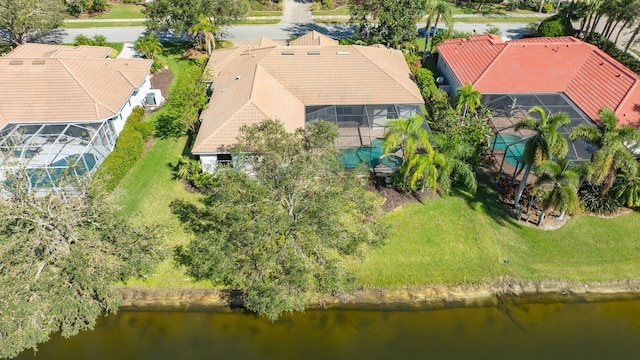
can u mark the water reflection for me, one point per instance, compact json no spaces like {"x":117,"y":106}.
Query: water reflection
{"x":604,"y":330}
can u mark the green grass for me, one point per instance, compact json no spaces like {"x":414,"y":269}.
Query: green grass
{"x":122,"y":11}
{"x":342,"y":10}
{"x":500,"y":19}
{"x":116,"y":46}
{"x":471,"y":8}
{"x":89,"y":24}
{"x":146,"y":192}
{"x":265,"y":13}
{"x":260,"y":21}
{"x":463,"y":239}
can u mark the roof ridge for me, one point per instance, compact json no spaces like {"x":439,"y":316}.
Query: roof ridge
{"x":60,"y":60}
{"x":495,"y":58}
{"x":359,"y":47}
{"x":627,"y":95}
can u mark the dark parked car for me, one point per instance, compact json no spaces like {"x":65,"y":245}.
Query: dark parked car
{"x":423,"y":31}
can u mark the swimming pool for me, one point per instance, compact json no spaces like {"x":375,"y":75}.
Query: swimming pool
{"x":516,"y":147}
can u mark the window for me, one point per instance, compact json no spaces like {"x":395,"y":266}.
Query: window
{"x":225,"y":159}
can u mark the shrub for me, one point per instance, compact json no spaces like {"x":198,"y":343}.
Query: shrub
{"x":128,"y":150}
{"x":626,"y":59}
{"x":426,"y":83}
{"x":555,"y":26}
{"x":145,"y":128}
{"x":595,"y":201}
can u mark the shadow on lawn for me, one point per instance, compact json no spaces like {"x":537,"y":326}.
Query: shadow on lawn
{"x":486,"y":200}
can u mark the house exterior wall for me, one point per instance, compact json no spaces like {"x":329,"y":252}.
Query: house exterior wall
{"x":209,"y":162}
{"x":449,"y":78}
{"x":137,"y":98}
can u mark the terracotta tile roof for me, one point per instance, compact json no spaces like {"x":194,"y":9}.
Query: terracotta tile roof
{"x":588,"y":76}
{"x":468,"y":58}
{"x":63,"y":90}
{"x":252,"y":84}
{"x":314,"y":38}
{"x":32,"y":50}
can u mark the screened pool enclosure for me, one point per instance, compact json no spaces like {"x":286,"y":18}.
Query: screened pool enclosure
{"x":49,"y":150}
{"x":507,"y":110}
{"x":361,"y":129}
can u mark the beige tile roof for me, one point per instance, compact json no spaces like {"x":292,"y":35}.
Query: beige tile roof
{"x":313,"y":38}
{"x":32,"y":50}
{"x":62,"y":89}
{"x":252,"y":84}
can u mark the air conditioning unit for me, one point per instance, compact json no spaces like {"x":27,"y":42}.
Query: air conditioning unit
{"x":150,"y":98}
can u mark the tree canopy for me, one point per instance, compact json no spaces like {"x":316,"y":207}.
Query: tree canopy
{"x":59,"y":257}
{"x":395,"y":20}
{"x":181,"y":15}
{"x":25,"y":20}
{"x":280,"y":232}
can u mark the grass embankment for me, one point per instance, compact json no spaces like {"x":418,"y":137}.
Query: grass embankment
{"x":91,"y":24}
{"x":342,"y":10}
{"x":464,"y":238}
{"x":146,"y":192}
{"x":122,"y":11}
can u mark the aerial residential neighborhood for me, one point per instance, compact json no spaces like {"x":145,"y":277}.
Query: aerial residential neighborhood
{"x":319,"y":179}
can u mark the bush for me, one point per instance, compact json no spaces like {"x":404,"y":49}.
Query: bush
{"x":595,"y":201}
{"x":129,"y":148}
{"x":145,"y":128}
{"x":426,"y":83}
{"x":555,"y":26}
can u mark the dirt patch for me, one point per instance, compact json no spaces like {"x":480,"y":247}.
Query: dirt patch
{"x":161,"y":80}
{"x":193,"y":53}
{"x":393,"y":199}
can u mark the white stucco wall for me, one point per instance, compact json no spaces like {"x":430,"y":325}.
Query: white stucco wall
{"x":209,"y":162}
{"x":133,"y":101}
{"x":449,"y":78}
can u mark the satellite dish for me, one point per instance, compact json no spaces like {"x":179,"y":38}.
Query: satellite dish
{"x":440,"y":80}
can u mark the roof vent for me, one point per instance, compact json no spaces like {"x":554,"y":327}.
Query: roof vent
{"x":37,"y":62}
{"x":342,"y":53}
{"x":287,"y":53}
{"x":237,"y":77}
{"x":15,"y":62}
{"x":313,"y":53}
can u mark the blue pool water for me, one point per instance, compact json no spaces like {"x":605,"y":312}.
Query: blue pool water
{"x":514,"y":154}
{"x":369,"y":155}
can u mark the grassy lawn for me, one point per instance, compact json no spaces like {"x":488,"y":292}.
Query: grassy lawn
{"x":106,"y":23}
{"x":146,"y":192}
{"x":116,"y":46}
{"x":463,"y":239}
{"x":470,"y":8}
{"x":259,"y":21}
{"x":122,"y":11}
{"x":500,"y":19}
{"x":265,"y":13}
{"x":342,"y":10}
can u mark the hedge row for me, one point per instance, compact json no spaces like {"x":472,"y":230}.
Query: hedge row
{"x":128,"y":150}
{"x":426,"y":83}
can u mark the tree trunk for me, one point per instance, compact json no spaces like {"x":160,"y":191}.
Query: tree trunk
{"x":541,"y":218}
{"x":541,"y":6}
{"x":561,"y":217}
{"x":435,"y":26}
{"x":624,"y":25}
{"x":426,"y":39}
{"x":586,"y":26}
{"x":523,"y":183}
{"x":633,"y":37}
{"x":593,"y":26}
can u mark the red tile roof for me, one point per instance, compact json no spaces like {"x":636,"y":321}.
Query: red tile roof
{"x":588,"y":76}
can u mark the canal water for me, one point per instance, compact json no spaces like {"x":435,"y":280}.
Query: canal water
{"x":602,"y":330}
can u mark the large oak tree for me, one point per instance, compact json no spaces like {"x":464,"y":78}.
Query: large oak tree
{"x":24,"y":20}
{"x":60,"y":255}
{"x":280,"y":229}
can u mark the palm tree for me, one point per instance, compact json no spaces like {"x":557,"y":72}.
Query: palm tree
{"x":557,"y":187}
{"x":436,"y":10}
{"x":545,"y":144}
{"x":612,"y":153}
{"x":419,"y":160}
{"x":627,"y":189}
{"x":202,"y":32}
{"x":467,"y":98}
{"x":408,"y":134}
{"x":454,"y":167}
{"x":149,"y":46}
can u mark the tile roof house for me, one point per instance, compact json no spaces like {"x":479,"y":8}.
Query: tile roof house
{"x":586,"y":75}
{"x":63,"y":105}
{"x":358,"y":87}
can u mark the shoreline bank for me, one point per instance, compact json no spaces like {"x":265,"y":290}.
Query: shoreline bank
{"x":495,"y":293}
